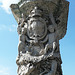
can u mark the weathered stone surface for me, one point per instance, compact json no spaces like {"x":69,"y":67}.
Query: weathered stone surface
{"x":41,"y":24}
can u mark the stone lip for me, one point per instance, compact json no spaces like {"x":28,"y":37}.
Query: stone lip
{"x":59,"y":8}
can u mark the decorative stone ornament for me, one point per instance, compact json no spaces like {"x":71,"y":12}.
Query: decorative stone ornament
{"x":41,"y":24}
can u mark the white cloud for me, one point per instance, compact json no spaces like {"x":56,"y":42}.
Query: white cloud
{"x":11,"y":28}
{"x":5,"y":4}
{"x":4,"y":70}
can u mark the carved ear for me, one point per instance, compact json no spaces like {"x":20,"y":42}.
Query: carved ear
{"x":15,"y":10}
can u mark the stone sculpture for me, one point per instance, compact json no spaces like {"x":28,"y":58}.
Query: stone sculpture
{"x":41,"y":24}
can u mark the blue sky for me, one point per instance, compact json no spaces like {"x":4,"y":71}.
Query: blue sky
{"x":9,"y":41}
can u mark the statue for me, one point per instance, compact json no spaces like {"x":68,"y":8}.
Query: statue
{"x":40,"y":27}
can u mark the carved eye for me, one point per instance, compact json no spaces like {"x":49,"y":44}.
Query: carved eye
{"x":57,"y":21}
{"x":33,"y":35}
{"x":37,"y":35}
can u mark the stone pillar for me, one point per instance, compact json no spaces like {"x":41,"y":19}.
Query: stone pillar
{"x":41,"y":24}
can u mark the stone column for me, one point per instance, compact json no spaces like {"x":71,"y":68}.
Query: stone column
{"x":41,"y":24}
